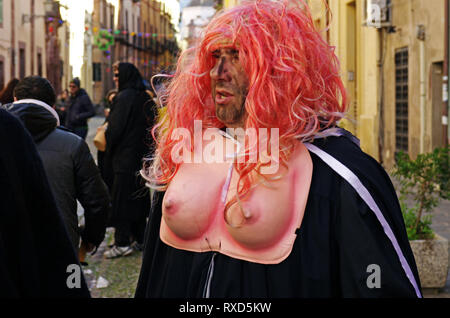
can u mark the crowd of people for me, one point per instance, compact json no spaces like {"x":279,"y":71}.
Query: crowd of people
{"x":109,"y":192}
{"x":216,"y":228}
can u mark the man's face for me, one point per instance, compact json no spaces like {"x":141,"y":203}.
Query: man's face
{"x":229,"y":87}
{"x":116,"y":78}
{"x":73,"y":88}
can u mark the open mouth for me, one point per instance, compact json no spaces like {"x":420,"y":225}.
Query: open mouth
{"x":223,"y":97}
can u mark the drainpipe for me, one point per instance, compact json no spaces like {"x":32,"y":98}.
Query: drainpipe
{"x":328,"y":20}
{"x":446,"y":105}
{"x":421,"y":37}
{"x":382,"y":38}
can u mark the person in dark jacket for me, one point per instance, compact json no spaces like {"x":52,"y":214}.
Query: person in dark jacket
{"x":6,"y":94}
{"x":70,"y":168}
{"x":80,"y":109}
{"x":36,"y":256}
{"x":127,"y":142}
{"x":61,"y":105}
{"x":105,"y":167}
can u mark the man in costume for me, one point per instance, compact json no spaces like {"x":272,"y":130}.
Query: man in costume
{"x":319,"y":224}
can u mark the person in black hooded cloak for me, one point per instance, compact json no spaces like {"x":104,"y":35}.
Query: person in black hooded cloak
{"x":127,"y":142}
{"x":37,"y":258}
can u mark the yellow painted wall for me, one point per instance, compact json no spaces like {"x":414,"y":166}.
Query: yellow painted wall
{"x":407,"y":15}
{"x":357,"y":48}
{"x":366,"y":92}
{"x":230,"y":3}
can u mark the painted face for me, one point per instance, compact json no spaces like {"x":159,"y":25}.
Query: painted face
{"x":229,"y":87}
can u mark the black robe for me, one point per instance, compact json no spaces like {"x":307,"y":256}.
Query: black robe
{"x":35,"y":249}
{"x":128,"y":140}
{"x":338,"y":240}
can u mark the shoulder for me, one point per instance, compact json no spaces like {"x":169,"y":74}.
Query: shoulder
{"x":83,"y":92}
{"x":349,"y":154}
{"x":82,"y":96}
{"x":86,"y":98}
{"x":127,"y":94}
{"x":362,"y":181}
{"x":10,"y":126}
{"x":64,"y":140}
{"x":63,"y":128}
{"x":66,"y":133}
{"x":132,"y":92}
{"x":348,"y":165}
{"x":67,"y":144}
{"x":123,"y":97}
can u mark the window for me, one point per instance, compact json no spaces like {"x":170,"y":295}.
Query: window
{"x":104,"y":17}
{"x":144,"y":36}
{"x":2,"y":74}
{"x":97,"y":72}
{"x":1,"y":13}
{"x":39,"y":64}
{"x":133,"y":29}
{"x":126,"y":26}
{"x":21,"y":63}
{"x":111,"y":17}
{"x":139,"y":38}
{"x":401,"y":99}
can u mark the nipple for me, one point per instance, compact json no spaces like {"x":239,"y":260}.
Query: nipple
{"x":169,"y":205}
{"x":237,"y":216}
{"x":247,"y":213}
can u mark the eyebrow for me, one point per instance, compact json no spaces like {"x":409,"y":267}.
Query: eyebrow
{"x":227,"y":50}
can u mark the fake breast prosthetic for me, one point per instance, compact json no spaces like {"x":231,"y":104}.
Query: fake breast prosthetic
{"x":264,"y":232}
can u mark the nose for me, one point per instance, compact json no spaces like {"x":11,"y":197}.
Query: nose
{"x":220,"y":71}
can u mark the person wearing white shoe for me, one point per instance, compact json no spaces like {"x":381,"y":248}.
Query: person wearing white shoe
{"x":117,"y":251}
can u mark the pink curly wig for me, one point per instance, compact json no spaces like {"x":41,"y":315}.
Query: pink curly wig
{"x":294,"y":78}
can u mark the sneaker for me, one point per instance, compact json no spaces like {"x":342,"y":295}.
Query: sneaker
{"x":137,"y":247}
{"x":117,"y":251}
